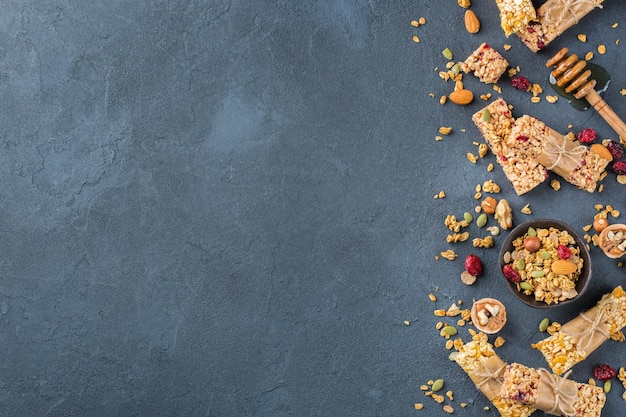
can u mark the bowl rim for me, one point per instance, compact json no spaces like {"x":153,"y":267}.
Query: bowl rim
{"x":584,"y":278}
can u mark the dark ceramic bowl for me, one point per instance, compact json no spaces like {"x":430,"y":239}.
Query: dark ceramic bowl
{"x":520,"y":230}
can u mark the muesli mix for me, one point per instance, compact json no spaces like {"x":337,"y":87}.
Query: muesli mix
{"x":545,"y":263}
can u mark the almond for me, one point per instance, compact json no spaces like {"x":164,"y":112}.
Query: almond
{"x":472,"y":24}
{"x":601,"y":150}
{"x":461,"y":97}
{"x":563,"y":267}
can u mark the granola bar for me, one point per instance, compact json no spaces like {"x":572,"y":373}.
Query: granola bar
{"x":515,"y":15}
{"x":479,"y":360}
{"x":486,"y":63}
{"x":574,"y":162}
{"x":581,"y":336}
{"x":552,"y":19}
{"x":506,"y":139}
{"x":551,"y":393}
{"x":587,"y":174}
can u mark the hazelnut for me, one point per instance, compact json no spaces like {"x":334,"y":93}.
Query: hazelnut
{"x":532,"y":244}
{"x":489,"y":205}
{"x":600,"y":224}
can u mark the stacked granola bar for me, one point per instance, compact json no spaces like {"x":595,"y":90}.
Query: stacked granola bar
{"x":550,"y":393}
{"x":552,"y":19}
{"x":526,"y":149}
{"x":479,"y":360}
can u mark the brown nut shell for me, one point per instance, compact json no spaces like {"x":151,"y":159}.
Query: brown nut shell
{"x":495,"y":323}
{"x":612,"y":240}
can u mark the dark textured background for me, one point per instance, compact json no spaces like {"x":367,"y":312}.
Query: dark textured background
{"x":225,"y":208}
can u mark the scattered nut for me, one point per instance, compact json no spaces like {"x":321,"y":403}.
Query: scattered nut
{"x":467,"y":278}
{"x":472,"y":23}
{"x":488,"y":315}
{"x":489,"y":205}
{"x":461,"y":97}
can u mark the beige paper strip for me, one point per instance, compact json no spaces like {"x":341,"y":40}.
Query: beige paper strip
{"x":589,"y":330}
{"x":556,"y":395}
{"x":560,"y":154}
{"x":487,"y":377}
{"x":563,"y":14}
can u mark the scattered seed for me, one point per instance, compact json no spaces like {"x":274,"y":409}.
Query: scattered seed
{"x":589,"y":56}
{"x":447,"y":53}
{"x":437,"y":385}
{"x":415,"y":23}
{"x":543,"y":324}
{"x":482,"y":220}
{"x":601,"y":49}
{"x":467,"y":216}
{"x":416,"y":39}
{"x":418,"y":406}
{"x":607,"y":386}
{"x":422,"y":21}
{"x":526,"y":286}
{"x":449,"y":330}
{"x":432,"y":297}
{"x":582,"y":37}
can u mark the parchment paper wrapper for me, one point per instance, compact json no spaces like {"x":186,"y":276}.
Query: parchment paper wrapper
{"x":590,"y":329}
{"x":487,"y":376}
{"x":561,"y":15}
{"x":556,"y":395}
{"x":560,"y":154}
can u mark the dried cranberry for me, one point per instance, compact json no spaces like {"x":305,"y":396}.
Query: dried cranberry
{"x":540,"y":44}
{"x":619,"y":167}
{"x":586,"y":135}
{"x":473,"y":265}
{"x":521,"y":83}
{"x":616,"y":149}
{"x":522,"y":138}
{"x":564,"y":252}
{"x":603,"y":372}
{"x":511,"y":274}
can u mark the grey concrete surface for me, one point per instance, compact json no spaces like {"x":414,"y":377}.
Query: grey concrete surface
{"x":225,"y":208}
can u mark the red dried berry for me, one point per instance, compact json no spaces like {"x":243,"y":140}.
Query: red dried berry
{"x":587,"y":135}
{"x":564,"y":252}
{"x":619,"y":167}
{"x":473,"y":265}
{"x":603,"y":372}
{"x":522,"y":138}
{"x":521,"y":83}
{"x":616,"y":149}
{"x":511,"y":274}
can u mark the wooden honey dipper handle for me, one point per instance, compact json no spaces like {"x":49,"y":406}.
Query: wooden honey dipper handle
{"x":569,"y":73}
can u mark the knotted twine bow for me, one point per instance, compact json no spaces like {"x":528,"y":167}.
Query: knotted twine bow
{"x":491,"y":371}
{"x":570,"y":8}
{"x":564,"y":399}
{"x":562,"y":154}
{"x":585,"y":337}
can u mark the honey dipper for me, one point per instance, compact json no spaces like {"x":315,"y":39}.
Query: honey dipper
{"x":569,"y":73}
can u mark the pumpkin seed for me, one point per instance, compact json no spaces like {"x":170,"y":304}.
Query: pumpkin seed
{"x":531,"y":232}
{"x":607,"y":386}
{"x":456,"y":69}
{"x":482,"y":220}
{"x":521,"y":264}
{"x":538,"y":273}
{"x":543,"y":324}
{"x":447,"y":53}
{"x":545,"y":255}
{"x":526,"y":286}
{"x":467,"y":216}
{"x":437,"y":385}
{"x":486,"y":115}
{"x":449,"y":330}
